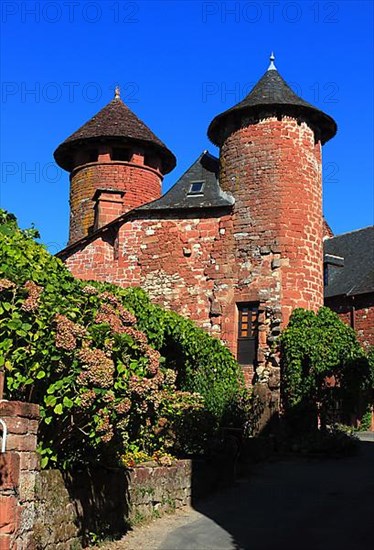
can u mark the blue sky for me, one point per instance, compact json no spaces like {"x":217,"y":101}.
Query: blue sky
{"x":179,"y":63}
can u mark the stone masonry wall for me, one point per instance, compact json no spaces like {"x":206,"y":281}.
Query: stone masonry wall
{"x":149,"y":492}
{"x":56,"y":522}
{"x":106,"y":501}
{"x":140,"y":183}
{"x":267,"y":249}
{"x":156,"y":491}
{"x":19,"y":467}
{"x":273,"y":168}
{"x":171,"y":258}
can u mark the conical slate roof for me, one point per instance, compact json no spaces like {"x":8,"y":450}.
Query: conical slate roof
{"x":114,"y":122}
{"x":270,"y":96}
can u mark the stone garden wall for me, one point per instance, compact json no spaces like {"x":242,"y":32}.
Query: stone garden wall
{"x":55,"y":526}
{"x":103,"y":502}
{"x":64,"y":511}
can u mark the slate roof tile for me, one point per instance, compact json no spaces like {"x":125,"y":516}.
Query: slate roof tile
{"x":270,"y":96}
{"x":357,"y":274}
{"x":204,"y":170}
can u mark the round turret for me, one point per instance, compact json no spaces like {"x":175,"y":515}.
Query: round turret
{"x":270,"y":158}
{"x":114,"y":154}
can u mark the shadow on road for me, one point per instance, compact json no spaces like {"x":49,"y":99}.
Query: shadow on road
{"x":295,"y":504}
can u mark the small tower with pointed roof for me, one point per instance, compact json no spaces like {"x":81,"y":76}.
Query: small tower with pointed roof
{"x":270,"y":158}
{"x":116,"y":163}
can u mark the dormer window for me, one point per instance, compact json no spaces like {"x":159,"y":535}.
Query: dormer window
{"x":196,"y":188}
{"x":331,"y":264}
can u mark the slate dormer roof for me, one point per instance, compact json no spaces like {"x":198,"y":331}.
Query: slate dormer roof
{"x":115,"y":122}
{"x":181,"y":196}
{"x":271,"y":96}
{"x":356,"y":276}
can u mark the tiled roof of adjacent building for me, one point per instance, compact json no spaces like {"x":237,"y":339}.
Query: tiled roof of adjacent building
{"x":197,"y":188}
{"x":271,"y":95}
{"x":357,"y":274}
{"x":115,"y":122}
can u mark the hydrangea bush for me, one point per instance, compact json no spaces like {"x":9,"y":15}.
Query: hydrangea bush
{"x":112,"y":372}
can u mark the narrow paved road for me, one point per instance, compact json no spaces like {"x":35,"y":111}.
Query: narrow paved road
{"x":292,"y":505}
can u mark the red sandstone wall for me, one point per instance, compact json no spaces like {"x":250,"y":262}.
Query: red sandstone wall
{"x":170,"y":258}
{"x":273,"y":168}
{"x":141,"y":184}
{"x":194,"y":266}
{"x":267,"y":250}
{"x":363,"y":316}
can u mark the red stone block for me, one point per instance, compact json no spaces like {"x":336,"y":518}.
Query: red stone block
{"x":6,"y":542}
{"x":19,"y":409}
{"x":9,"y":470}
{"x":21,"y":442}
{"x":8,"y":514}
{"x":17,"y":425}
{"x":29,"y":461}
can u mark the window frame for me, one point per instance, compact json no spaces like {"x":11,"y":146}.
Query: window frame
{"x":200,"y":191}
{"x":250,"y":339}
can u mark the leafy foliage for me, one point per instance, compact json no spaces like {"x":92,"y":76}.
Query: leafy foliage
{"x":203,"y":363}
{"x":318,"y":349}
{"x":113,"y":373}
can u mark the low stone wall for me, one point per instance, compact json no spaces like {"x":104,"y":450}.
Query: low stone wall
{"x":55,"y":526}
{"x":154,"y":491}
{"x":106,"y":501}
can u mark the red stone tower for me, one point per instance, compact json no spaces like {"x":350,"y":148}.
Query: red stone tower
{"x":116,"y":163}
{"x":270,"y":157}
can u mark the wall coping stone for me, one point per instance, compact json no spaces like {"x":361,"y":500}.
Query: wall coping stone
{"x":19,"y":408}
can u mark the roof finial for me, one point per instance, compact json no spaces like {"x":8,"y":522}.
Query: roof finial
{"x":117,"y":93}
{"x":272,"y":67}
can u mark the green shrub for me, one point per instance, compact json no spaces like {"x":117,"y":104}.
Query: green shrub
{"x":203,"y":364}
{"x":316,"y":347}
{"x":112,"y":371}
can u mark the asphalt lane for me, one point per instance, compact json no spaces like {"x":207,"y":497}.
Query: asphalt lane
{"x":316,"y":504}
